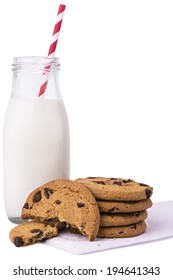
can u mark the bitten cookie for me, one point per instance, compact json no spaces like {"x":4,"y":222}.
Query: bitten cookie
{"x":122,"y":231}
{"x":35,"y":231}
{"x":109,"y":220}
{"x":123,"y":206}
{"x":70,"y":201}
{"x":116,"y":189}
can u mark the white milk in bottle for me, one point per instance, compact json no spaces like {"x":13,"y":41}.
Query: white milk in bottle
{"x":36,"y":133}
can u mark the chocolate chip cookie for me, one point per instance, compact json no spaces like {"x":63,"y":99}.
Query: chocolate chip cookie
{"x":122,"y":231}
{"x":70,"y":201}
{"x":123,"y":206}
{"x":110,"y":220}
{"x":116,"y":189}
{"x":35,"y":231}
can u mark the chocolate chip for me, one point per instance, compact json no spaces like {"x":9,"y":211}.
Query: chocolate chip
{"x":46,"y":237}
{"x":117,"y":183}
{"x":38,"y":231}
{"x":18,"y":241}
{"x":133,"y":226}
{"x":127,"y":181}
{"x":52,"y":224}
{"x":113,"y":209}
{"x":58,"y":201}
{"x":35,"y":230}
{"x":100,"y":182}
{"x":37,"y":197}
{"x":114,"y":178}
{"x":136,"y":214}
{"x":120,"y":232}
{"x":26,"y":205}
{"x":48,"y":192}
{"x":80,"y":204}
{"x":143,"y":185}
{"x":49,"y":223}
{"x":148,"y":193}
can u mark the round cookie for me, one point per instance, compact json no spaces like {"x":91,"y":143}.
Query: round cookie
{"x":110,"y":220}
{"x":70,"y":201}
{"x":116,"y":189}
{"x":123,"y":231}
{"x":123,"y":206}
{"x":35,"y":231}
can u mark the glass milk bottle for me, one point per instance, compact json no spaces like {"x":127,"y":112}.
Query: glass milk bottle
{"x":36,"y":132}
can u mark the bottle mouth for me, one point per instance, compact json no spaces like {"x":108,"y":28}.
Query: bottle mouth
{"x":35,"y":62}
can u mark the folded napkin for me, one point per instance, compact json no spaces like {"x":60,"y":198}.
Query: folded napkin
{"x":159,"y":226}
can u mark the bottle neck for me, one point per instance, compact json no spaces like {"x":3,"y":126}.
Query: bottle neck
{"x":31,"y":72}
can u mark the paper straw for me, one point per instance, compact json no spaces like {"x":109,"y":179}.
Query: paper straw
{"x":52,"y":47}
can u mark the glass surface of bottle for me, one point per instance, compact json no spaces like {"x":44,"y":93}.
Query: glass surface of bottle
{"x":36,"y":144}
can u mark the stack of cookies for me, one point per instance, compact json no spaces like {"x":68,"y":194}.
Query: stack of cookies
{"x":122,"y":204}
{"x":93,"y":206}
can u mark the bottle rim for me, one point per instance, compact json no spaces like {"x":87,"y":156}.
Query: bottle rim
{"x":35,"y":62}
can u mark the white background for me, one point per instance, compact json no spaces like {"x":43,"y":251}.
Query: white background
{"x":117,"y":84}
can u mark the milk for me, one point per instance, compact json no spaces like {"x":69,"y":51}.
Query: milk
{"x":36,"y":148}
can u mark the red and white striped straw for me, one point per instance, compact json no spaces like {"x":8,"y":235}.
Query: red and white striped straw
{"x":53,"y":45}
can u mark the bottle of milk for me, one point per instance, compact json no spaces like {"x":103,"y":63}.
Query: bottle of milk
{"x":36,"y":132}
